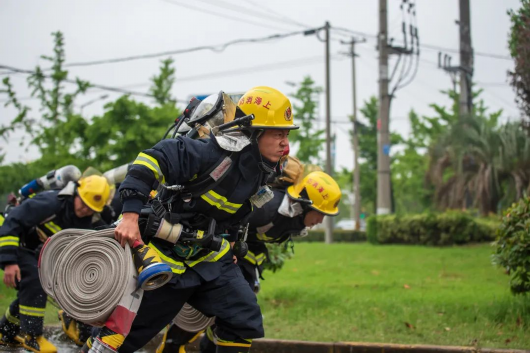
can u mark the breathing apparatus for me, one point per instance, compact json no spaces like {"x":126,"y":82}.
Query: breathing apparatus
{"x":55,"y":179}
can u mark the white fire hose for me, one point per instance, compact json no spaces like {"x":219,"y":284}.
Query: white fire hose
{"x":89,"y":274}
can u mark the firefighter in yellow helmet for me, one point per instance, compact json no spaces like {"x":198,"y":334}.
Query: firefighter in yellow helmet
{"x":22,"y":235}
{"x":219,"y":182}
{"x":291,"y":212}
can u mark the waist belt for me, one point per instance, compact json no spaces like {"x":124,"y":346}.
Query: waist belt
{"x":178,"y":263}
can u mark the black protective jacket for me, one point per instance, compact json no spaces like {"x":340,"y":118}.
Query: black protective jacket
{"x":266,"y":225}
{"x":182,"y":160}
{"x":29,"y":224}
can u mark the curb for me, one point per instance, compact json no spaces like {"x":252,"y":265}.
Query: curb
{"x":264,"y":345}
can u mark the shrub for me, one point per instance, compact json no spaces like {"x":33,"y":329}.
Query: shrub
{"x":448,"y":228}
{"x":277,"y":254}
{"x":513,"y":246}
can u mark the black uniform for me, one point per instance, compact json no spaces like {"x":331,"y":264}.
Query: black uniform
{"x":21,"y":237}
{"x":267,"y":225}
{"x":207,"y":280}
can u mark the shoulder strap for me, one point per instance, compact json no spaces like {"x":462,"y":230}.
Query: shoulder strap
{"x":212,"y":177}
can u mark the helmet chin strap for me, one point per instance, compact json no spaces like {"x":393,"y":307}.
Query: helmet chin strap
{"x":263,"y":165}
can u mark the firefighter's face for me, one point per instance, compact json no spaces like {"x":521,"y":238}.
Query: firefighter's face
{"x":81,"y":209}
{"x":312,"y":218}
{"x":272,"y":143}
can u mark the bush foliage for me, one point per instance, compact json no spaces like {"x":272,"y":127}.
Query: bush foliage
{"x":448,"y":228}
{"x":513,"y":246}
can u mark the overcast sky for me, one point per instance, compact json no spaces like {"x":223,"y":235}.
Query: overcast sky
{"x":105,"y":29}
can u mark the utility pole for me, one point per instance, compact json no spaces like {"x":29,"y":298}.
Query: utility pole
{"x":465,"y":70}
{"x":383,"y":122}
{"x":328,"y":221}
{"x":356,"y":190}
{"x":466,"y":60}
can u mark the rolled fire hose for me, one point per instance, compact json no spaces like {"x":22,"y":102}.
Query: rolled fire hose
{"x":192,"y":320}
{"x":89,"y":274}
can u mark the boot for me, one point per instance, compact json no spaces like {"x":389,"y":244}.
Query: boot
{"x":76,"y":331}
{"x":175,"y":339}
{"x":8,"y":332}
{"x":37,"y":344}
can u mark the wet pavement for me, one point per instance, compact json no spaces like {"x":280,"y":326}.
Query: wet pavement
{"x":65,"y":345}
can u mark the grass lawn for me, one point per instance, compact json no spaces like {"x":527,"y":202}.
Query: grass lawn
{"x":391,"y":294}
{"x":394,"y":294}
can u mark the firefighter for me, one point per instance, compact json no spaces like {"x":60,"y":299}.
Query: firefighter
{"x":290,"y":213}
{"x":22,"y":235}
{"x":208,"y":280}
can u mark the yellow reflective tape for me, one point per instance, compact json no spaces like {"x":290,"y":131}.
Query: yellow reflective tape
{"x":11,"y":318}
{"x":263,"y":237}
{"x":151,"y":163}
{"x":52,"y":227}
{"x":213,"y":256}
{"x":1,"y":220}
{"x":9,"y":241}
{"x":250,"y":257}
{"x":220,"y":202}
{"x":260,"y":258}
{"x":176,"y":266}
{"x":31,"y":311}
{"x":255,"y":259}
{"x":56,"y":226}
{"x":232,"y":344}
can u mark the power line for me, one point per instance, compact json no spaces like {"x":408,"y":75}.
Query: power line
{"x":429,"y":46}
{"x":235,"y":72}
{"x":250,"y":12}
{"x":215,"y":48}
{"x":106,"y":88}
{"x":224,"y":16}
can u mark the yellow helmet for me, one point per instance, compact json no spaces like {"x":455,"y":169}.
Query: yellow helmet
{"x":321,"y":189}
{"x":94,"y":191}
{"x":270,"y":107}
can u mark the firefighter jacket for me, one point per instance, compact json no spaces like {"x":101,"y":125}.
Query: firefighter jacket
{"x":267,"y":225}
{"x":34,"y":220}
{"x":182,"y":160}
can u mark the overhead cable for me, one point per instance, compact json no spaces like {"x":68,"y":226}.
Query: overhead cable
{"x":215,"y":48}
{"x":106,"y":88}
{"x":428,"y":46}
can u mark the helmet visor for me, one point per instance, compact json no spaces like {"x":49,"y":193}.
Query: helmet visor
{"x":214,"y":110}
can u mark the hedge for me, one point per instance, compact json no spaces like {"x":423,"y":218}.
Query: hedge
{"x":448,"y":228}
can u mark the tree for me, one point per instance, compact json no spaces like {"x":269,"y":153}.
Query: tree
{"x":478,"y":163}
{"x":163,"y":83}
{"x":307,"y":139}
{"x":128,"y":127}
{"x":58,"y":132}
{"x":519,"y":44}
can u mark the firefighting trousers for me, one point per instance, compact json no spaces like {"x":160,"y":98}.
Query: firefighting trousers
{"x":31,"y":298}
{"x":227,"y":297}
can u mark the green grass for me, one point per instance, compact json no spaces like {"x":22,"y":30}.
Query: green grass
{"x":394,"y":294}
{"x":390,"y":294}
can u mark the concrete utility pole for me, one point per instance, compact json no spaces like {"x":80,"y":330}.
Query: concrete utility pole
{"x":329,"y":221}
{"x":356,"y":190}
{"x":383,"y":153}
{"x":466,"y":60}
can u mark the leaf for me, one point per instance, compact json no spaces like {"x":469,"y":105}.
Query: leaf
{"x":406,"y":286}
{"x":410,"y":326}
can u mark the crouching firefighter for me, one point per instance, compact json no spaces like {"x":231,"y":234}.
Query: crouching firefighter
{"x":292,"y":211}
{"x":24,"y":231}
{"x":206,"y":188}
